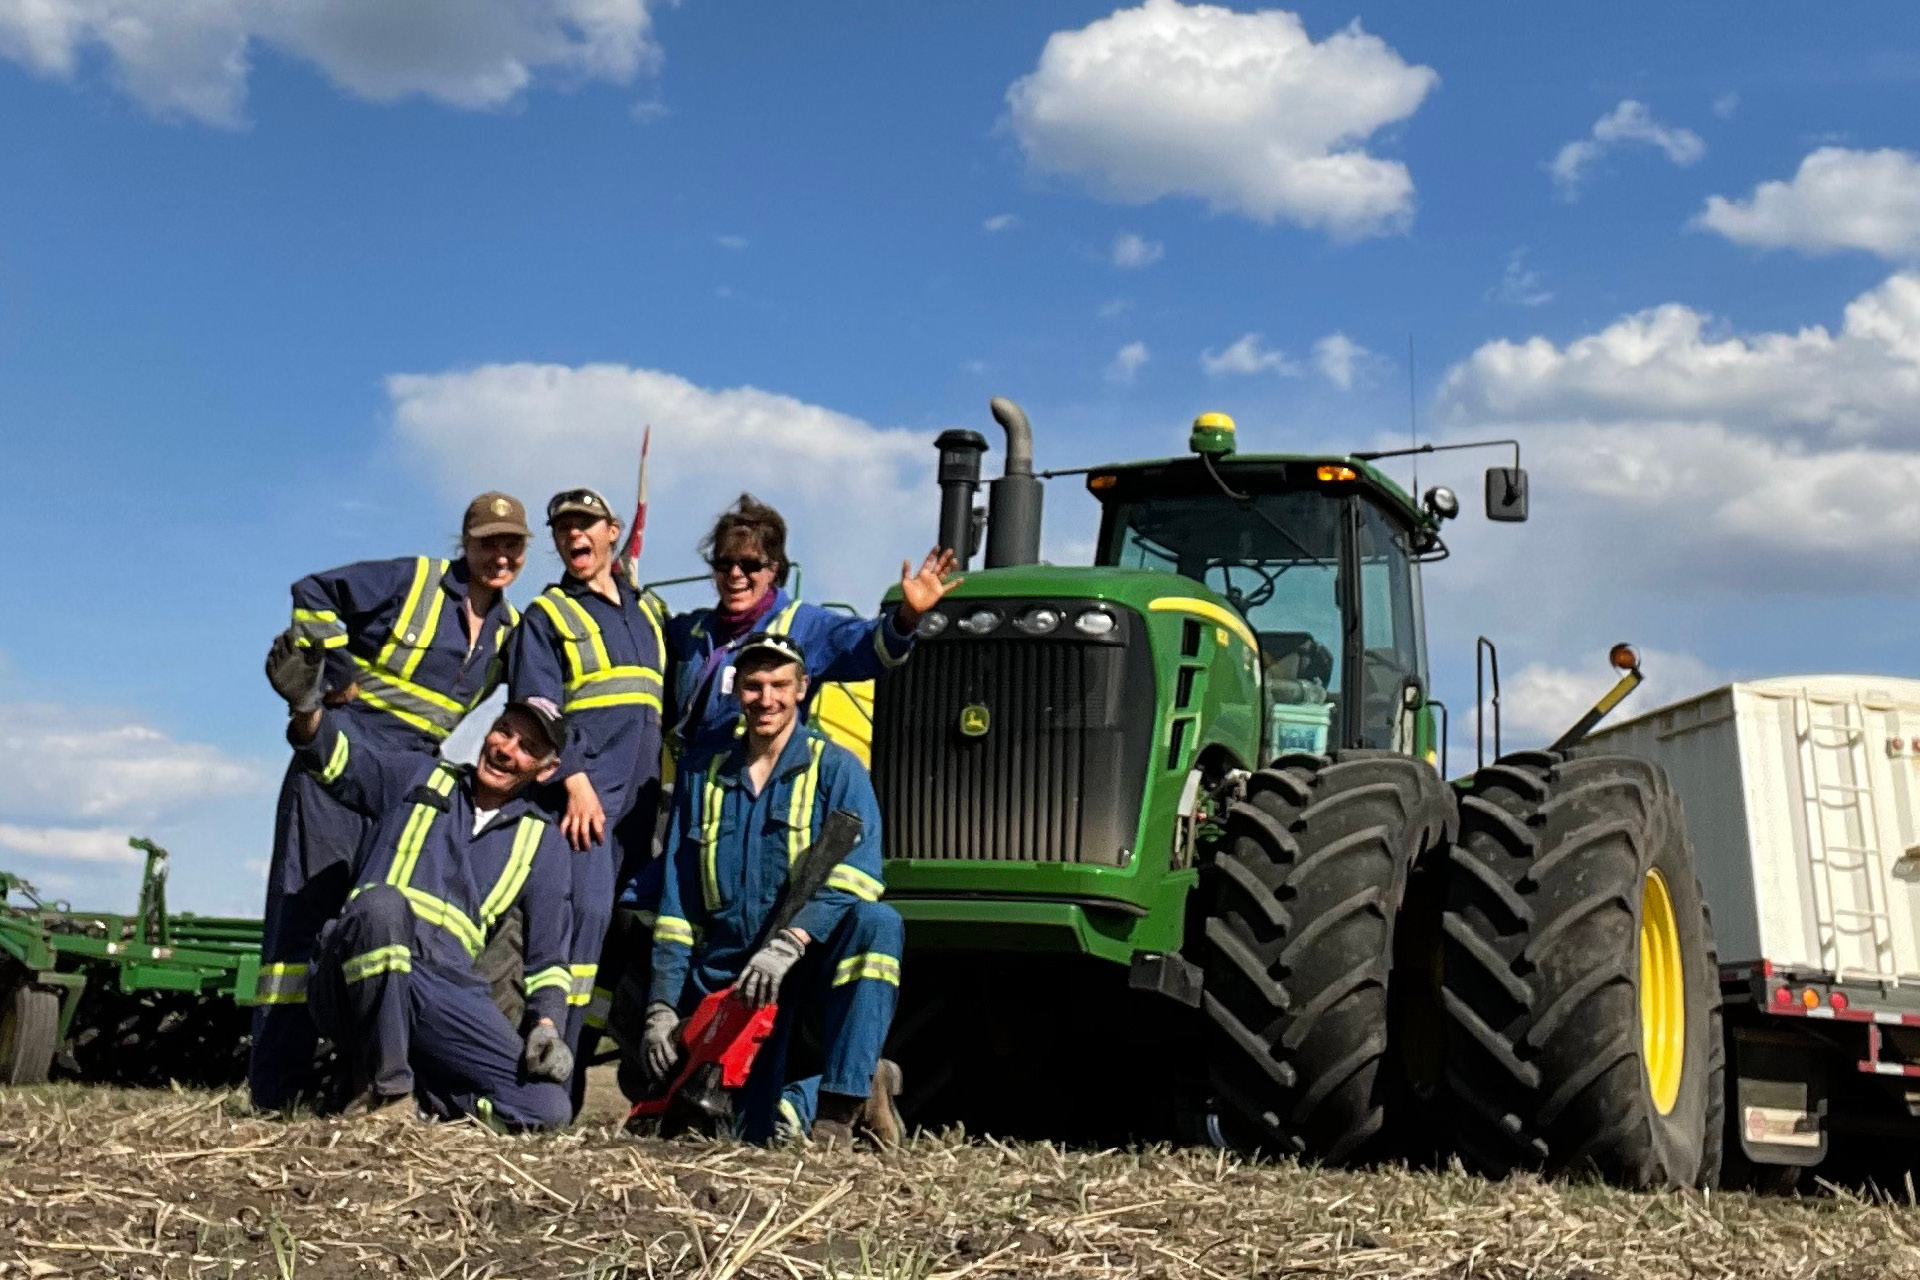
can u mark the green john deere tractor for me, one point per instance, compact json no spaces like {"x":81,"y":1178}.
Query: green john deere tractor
{"x":1176,"y":860}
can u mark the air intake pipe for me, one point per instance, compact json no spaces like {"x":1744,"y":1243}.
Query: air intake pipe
{"x":1013,"y":501}
{"x":959,"y":480}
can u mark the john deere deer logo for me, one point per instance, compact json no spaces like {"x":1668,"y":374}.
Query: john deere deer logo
{"x":975,"y":720}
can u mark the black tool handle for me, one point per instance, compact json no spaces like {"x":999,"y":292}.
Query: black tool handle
{"x":839,"y":832}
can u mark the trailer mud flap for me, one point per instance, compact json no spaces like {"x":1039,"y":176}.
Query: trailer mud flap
{"x":1780,"y":1098}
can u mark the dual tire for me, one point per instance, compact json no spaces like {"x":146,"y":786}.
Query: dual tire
{"x":1579,"y":981}
{"x":1569,"y":995}
{"x":29,"y":1033}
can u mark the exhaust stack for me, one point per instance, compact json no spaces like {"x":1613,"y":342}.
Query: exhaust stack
{"x":959,"y":480}
{"x":1013,"y":501}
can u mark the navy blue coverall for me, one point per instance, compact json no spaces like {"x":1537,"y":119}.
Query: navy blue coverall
{"x":393,"y":981}
{"x":397,"y":629}
{"x":728,"y":854}
{"x":601,"y":663}
{"x":837,"y":647}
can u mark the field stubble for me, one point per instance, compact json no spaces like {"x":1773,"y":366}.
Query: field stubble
{"x":112,"y":1182}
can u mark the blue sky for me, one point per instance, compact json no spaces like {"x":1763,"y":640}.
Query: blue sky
{"x":281,"y":285}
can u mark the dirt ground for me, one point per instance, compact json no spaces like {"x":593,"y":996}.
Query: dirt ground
{"x":97,"y":1181}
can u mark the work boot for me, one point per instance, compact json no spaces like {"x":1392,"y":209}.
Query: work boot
{"x":874,"y":1117}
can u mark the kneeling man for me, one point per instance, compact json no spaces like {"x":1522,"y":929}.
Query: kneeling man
{"x":455,"y":855}
{"x":735,"y":833}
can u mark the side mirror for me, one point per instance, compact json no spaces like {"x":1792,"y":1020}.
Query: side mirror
{"x":1507,"y":494}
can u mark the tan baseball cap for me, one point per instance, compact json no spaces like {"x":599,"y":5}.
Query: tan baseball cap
{"x":586,"y":502}
{"x":494,"y":512}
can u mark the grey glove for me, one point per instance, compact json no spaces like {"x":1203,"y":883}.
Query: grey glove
{"x":759,"y":983}
{"x":661,"y":1043}
{"x":546,"y":1056}
{"x":296,"y":673}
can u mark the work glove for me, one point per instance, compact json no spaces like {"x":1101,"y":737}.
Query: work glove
{"x":296,"y":673}
{"x":661,"y":1043}
{"x":759,"y":983}
{"x":546,"y":1056}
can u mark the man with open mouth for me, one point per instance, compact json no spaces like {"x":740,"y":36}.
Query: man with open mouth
{"x":454,"y":855}
{"x":592,"y":645}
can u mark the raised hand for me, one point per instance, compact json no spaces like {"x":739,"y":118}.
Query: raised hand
{"x":924,"y":589}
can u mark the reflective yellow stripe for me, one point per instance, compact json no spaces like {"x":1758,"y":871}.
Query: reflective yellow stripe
{"x":336,"y":760}
{"x":396,"y":958}
{"x":597,"y":1009}
{"x":440,"y":912}
{"x":429,"y":628}
{"x":1211,"y":612}
{"x":710,"y":799}
{"x":318,"y":627}
{"x":856,"y":882}
{"x":526,"y":839}
{"x":281,"y":984}
{"x":674,"y":930}
{"x":800,"y":804}
{"x":877,"y":965}
{"x":783,"y":621}
{"x":419,"y":822}
{"x":555,"y":976}
{"x":425,"y":709}
{"x":615,"y":687}
{"x":581,"y":989}
{"x":408,"y":615}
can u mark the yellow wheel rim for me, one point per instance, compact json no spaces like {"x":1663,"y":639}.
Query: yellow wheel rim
{"x":1663,"y":994}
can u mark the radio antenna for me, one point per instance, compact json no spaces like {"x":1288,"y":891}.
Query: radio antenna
{"x":1413,"y":426}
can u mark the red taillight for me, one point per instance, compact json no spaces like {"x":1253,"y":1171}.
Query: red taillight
{"x":1838,"y":999}
{"x":1783,"y":996}
{"x":1766,"y":968}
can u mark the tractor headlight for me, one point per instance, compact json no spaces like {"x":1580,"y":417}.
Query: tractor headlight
{"x":1095,"y":623}
{"x":981,"y":621}
{"x":932,"y":624}
{"x":1038,"y":621}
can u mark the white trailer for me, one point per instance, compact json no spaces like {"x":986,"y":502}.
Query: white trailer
{"x":1802,"y":797}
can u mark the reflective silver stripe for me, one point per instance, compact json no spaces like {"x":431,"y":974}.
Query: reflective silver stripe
{"x":419,"y":618}
{"x":430,"y":712}
{"x":598,"y":1008}
{"x":318,"y":627}
{"x":616,"y":687}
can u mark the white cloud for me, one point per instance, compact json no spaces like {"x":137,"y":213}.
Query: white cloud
{"x":1726,"y":105}
{"x":1130,"y":250}
{"x":735,"y":243}
{"x":191,"y":58}
{"x":1628,"y":122}
{"x":1114,"y":308}
{"x":1000,"y":222}
{"x":69,"y":844}
{"x":1127,"y":361}
{"x":1340,"y":359}
{"x":70,"y":764}
{"x":857,"y":498}
{"x":1839,"y":199}
{"x":1664,"y":364}
{"x":1520,"y":285}
{"x":1762,"y":462}
{"x":1242,"y":110}
{"x":1248,"y":354}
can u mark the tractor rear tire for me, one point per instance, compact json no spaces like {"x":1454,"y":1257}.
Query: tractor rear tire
{"x":1296,"y":947}
{"x":29,"y":1033}
{"x":1581,"y":992}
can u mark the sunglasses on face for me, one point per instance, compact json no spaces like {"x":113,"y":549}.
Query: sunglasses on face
{"x":748,"y":565}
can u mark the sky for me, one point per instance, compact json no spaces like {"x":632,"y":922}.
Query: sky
{"x":283,"y":283}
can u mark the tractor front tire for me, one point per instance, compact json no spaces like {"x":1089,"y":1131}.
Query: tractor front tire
{"x":1296,"y":946}
{"x":1581,"y":992}
{"x":29,"y":1033}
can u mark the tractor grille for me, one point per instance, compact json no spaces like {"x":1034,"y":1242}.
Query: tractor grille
{"x":1056,"y":777}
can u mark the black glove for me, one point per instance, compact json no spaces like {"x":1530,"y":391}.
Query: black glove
{"x":297,"y":673}
{"x":662,"y":1040}
{"x":759,"y":983}
{"x":546,"y":1056}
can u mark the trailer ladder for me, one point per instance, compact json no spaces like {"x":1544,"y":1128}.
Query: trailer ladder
{"x":1844,"y":793}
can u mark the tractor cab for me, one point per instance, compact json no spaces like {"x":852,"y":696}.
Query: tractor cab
{"x":1321,"y":557}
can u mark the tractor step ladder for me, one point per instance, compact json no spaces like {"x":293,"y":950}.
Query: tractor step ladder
{"x":1841,"y":792}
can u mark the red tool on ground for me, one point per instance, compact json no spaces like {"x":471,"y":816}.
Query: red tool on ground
{"x":721,"y":1038}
